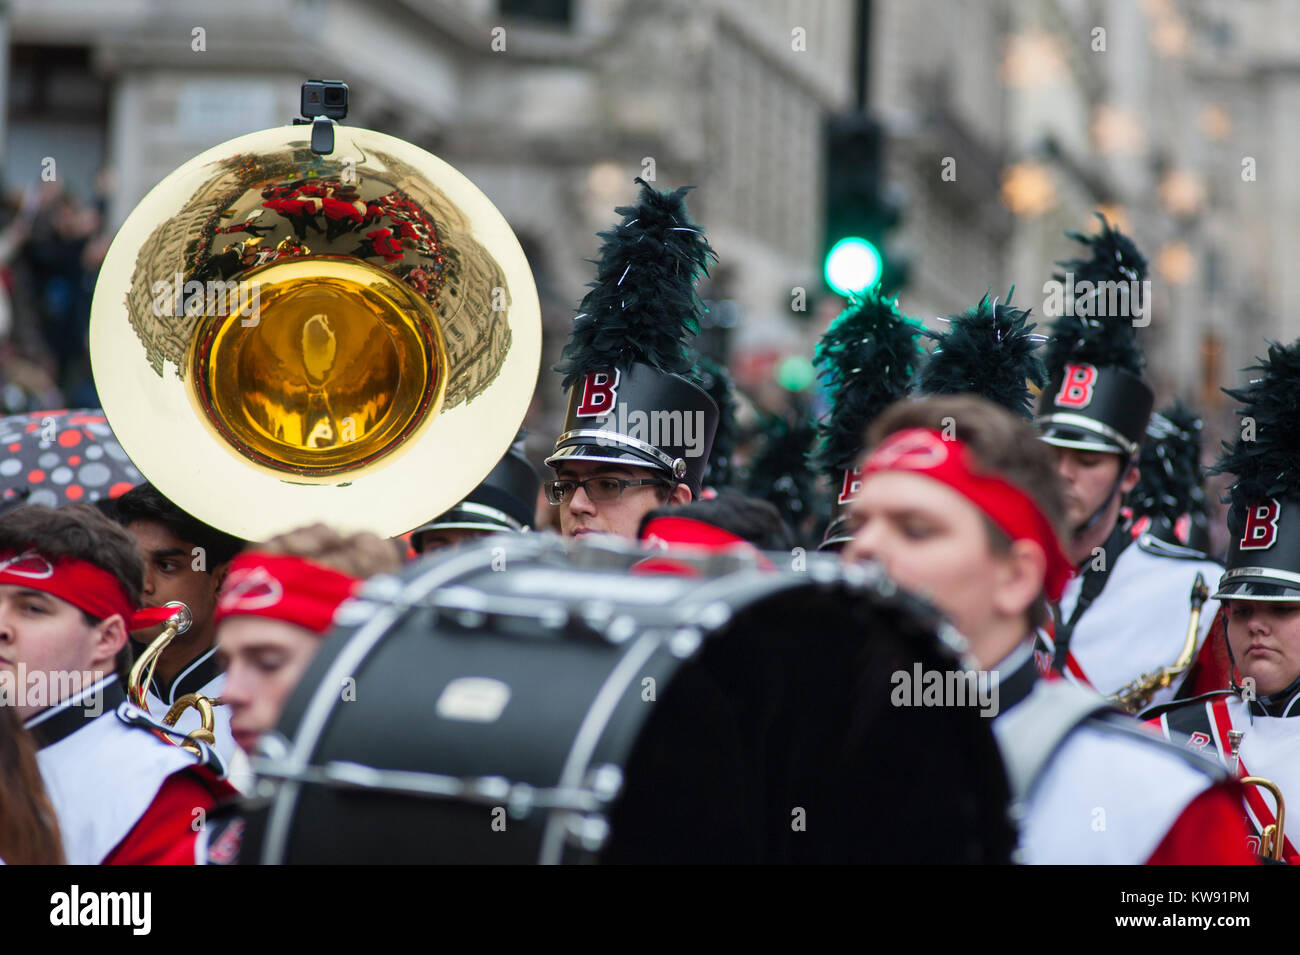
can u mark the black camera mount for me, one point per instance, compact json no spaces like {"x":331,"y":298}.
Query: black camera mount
{"x":323,"y":103}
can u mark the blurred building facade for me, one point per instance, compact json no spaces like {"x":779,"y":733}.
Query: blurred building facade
{"x":1172,"y":117}
{"x":552,"y":108}
{"x":1009,"y":121}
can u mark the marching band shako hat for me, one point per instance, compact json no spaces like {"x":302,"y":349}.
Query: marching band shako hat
{"x":713,"y":377}
{"x":778,"y":472}
{"x":624,"y":364}
{"x":1168,"y":501}
{"x":505,"y":501}
{"x":1264,"y":499}
{"x":990,"y":351}
{"x":867,"y":360}
{"x":1096,"y":398}
{"x":640,"y":417}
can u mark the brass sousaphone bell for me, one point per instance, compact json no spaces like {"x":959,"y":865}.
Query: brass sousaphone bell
{"x":280,"y":337}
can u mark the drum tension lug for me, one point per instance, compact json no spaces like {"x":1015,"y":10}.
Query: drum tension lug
{"x":589,"y":832}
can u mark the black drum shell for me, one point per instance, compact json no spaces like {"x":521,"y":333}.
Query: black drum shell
{"x":774,"y":741}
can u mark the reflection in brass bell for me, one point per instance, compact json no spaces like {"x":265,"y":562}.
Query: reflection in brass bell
{"x":280,"y":337}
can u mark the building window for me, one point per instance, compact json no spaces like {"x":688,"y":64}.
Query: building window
{"x":547,"y":12}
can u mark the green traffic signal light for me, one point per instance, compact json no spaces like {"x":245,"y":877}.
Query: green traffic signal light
{"x":795,"y":373}
{"x":853,"y":265}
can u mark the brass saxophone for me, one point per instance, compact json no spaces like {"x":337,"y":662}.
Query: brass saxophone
{"x":1133,"y":697}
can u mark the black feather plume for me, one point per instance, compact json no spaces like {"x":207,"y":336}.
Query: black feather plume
{"x":643,"y":305}
{"x":1265,"y":457}
{"x":719,"y":472}
{"x":867,"y":360}
{"x":778,"y":472}
{"x":1170,"y":485}
{"x":1088,"y":335}
{"x":988,"y":351}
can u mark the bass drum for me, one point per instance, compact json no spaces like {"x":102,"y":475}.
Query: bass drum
{"x":531,"y":700}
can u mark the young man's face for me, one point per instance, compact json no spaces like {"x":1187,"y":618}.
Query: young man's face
{"x":50,"y":636}
{"x":580,"y":515}
{"x":934,"y":542}
{"x":1265,"y":641}
{"x":1087,"y":480}
{"x":169,"y":573}
{"x":264,"y":659}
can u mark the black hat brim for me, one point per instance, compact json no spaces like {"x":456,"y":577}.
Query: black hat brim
{"x":625,"y":457}
{"x":1258,"y":583}
{"x":1080,"y":437}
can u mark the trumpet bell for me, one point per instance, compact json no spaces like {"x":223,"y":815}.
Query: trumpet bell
{"x":280,"y":337}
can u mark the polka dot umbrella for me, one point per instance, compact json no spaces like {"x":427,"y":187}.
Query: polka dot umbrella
{"x":52,"y":457}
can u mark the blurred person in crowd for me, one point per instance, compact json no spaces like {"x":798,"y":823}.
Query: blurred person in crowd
{"x":29,"y":831}
{"x":740,"y":518}
{"x":277,"y":601}
{"x":184,"y":560}
{"x":960,"y":504}
{"x":54,"y":252}
{"x":1125,"y":612}
{"x":504,"y":503}
{"x":1251,"y":727}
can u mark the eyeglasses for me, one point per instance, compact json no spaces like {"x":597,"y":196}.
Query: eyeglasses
{"x":599,"y":489}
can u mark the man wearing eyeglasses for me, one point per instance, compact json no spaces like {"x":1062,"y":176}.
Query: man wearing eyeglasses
{"x":637,"y":432}
{"x":633,"y":440}
{"x":605,"y":498}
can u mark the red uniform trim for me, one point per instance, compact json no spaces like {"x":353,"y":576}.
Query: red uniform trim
{"x":1254,"y":798}
{"x":1210,"y":831}
{"x":167,"y":834}
{"x":1210,"y":671}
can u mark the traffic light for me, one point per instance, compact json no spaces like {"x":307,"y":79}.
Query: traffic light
{"x":859,"y":211}
{"x":853,"y":264}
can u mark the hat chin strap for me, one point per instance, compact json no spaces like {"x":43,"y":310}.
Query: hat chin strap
{"x":1125,"y":464}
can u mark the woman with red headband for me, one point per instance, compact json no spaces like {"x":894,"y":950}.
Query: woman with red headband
{"x":959,"y":503}
{"x":277,"y":601}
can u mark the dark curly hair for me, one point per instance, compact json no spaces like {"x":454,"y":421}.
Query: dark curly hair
{"x":146,"y":503}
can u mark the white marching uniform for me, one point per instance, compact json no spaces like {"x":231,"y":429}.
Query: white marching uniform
{"x":199,"y":676}
{"x":102,"y":773}
{"x":1138,"y":623}
{"x":1270,"y":747}
{"x":1087,"y":789}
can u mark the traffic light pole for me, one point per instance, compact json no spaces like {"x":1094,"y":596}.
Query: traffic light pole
{"x":862,"y":54}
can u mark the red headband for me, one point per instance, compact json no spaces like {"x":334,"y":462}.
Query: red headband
{"x":79,"y":582}
{"x":284,"y":588}
{"x":690,"y":533}
{"x":925,"y":451}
